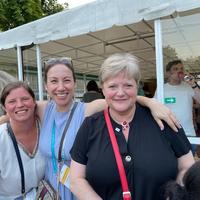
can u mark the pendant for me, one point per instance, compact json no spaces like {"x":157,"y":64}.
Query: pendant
{"x":125,"y":125}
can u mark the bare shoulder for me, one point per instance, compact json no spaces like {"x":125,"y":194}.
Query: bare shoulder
{"x":95,"y":106}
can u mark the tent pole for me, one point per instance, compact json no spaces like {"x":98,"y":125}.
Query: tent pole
{"x":19,"y":62}
{"x":159,"y":60}
{"x":84,"y":79}
{"x":39,"y":69}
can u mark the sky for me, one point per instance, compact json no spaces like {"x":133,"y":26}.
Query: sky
{"x":74,"y":3}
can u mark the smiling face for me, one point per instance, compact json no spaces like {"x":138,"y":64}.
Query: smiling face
{"x":120,"y":92}
{"x":60,"y":86}
{"x":20,"y":105}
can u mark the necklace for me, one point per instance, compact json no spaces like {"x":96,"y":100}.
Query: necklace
{"x":125,"y":129}
{"x":125,"y":125}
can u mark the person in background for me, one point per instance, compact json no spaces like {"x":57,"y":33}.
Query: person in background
{"x":140,"y":89}
{"x":179,"y":94}
{"x":92,"y":93}
{"x":150,"y":156}
{"x":18,"y":101}
{"x":188,"y":191}
{"x":60,"y":84}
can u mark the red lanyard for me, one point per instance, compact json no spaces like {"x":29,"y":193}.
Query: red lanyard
{"x":126,"y":192}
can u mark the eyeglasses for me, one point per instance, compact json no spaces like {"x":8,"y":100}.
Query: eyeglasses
{"x":61,"y":60}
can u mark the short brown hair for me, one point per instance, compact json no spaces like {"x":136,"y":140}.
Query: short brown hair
{"x":172,"y":63}
{"x":14,"y":85}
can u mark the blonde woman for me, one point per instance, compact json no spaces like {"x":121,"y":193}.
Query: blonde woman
{"x":150,"y":156}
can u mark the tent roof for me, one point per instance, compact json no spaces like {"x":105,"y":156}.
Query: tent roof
{"x":91,"y":32}
{"x":92,"y":17}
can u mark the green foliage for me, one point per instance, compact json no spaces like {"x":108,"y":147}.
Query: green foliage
{"x":169,"y":54}
{"x":14,"y":13}
{"x":51,"y":6}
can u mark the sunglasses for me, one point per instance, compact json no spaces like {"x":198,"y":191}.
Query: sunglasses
{"x":62,"y":60}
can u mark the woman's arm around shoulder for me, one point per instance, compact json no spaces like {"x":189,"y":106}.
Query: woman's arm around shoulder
{"x":160,"y":112}
{"x":41,"y":105}
{"x":78,"y":183}
{"x":95,"y":106}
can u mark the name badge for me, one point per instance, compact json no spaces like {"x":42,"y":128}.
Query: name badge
{"x":64,"y":175}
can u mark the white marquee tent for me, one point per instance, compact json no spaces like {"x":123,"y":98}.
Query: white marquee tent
{"x":90,"y":18}
{"x":89,"y":33}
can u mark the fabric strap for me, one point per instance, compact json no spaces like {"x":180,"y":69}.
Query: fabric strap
{"x":65,"y":131}
{"x":18,"y":157}
{"x":124,"y":183}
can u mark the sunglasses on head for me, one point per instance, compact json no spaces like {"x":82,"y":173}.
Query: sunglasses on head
{"x":62,"y":60}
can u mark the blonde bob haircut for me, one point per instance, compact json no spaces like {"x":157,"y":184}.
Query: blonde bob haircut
{"x":120,"y":62}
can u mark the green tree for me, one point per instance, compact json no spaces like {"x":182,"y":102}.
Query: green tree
{"x":169,"y":54}
{"x":51,"y":6}
{"x":14,"y":13}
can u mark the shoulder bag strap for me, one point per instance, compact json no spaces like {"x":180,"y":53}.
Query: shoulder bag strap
{"x":65,"y":131}
{"x":18,"y":157}
{"x":126,"y":192}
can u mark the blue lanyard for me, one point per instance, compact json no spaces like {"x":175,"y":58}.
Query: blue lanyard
{"x":53,"y":152}
{"x":53,"y":138}
{"x":53,"y":142}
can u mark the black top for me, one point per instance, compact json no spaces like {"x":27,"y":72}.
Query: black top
{"x":153,"y":155}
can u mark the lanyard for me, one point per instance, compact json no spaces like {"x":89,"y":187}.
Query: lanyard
{"x":53,"y":138}
{"x":53,"y":152}
{"x":55,"y":161}
{"x":126,"y":193}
